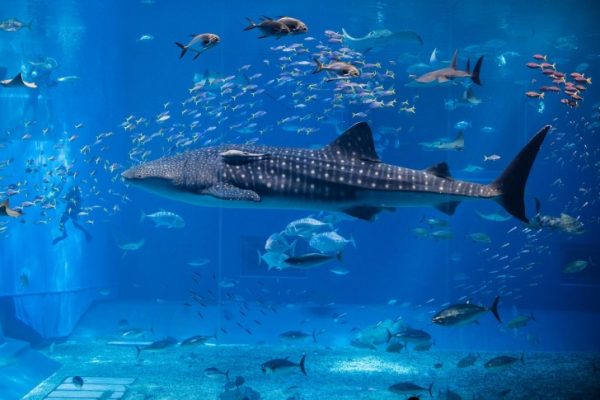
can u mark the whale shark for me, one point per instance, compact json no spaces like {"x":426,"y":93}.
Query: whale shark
{"x":346,"y":176}
{"x":379,"y":39}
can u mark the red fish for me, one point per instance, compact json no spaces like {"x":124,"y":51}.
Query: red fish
{"x":583,"y":79}
{"x":540,"y":57}
{"x":569,"y":102}
{"x":534,"y":95}
{"x":554,"y":89}
{"x":532,"y":65}
{"x":576,"y":96}
{"x":548,"y":65}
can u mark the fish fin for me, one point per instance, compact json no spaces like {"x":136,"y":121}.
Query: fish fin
{"x":227,"y":375}
{"x":259,"y":257}
{"x":183,"y":49}
{"x":494,"y":308}
{"x":511,"y":183}
{"x":522,"y":358}
{"x":251,"y":26}
{"x":197,"y":55}
{"x":193,"y":34}
{"x":448,"y":207}
{"x":389,"y":335}
{"x":476,"y":72}
{"x":319,"y":66}
{"x":138,"y":352}
{"x":347,"y":35}
{"x":264,"y":36}
{"x":454,"y":58}
{"x":142,"y":216}
{"x":356,"y":142}
{"x":363,"y":212}
{"x":429,"y":389}
{"x":338,"y":256}
{"x":314,"y":335}
{"x":225,"y":191}
{"x":442,"y":79}
{"x":301,"y":364}
{"x":440,"y":170}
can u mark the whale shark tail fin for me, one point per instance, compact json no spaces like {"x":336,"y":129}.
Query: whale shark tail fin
{"x":476,"y":71}
{"x":511,"y":183}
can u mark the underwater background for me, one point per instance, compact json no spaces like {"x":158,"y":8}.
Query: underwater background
{"x":112,"y":92}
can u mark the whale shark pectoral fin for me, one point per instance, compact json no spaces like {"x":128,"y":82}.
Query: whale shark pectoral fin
{"x":448,"y":208}
{"x":225,"y":191}
{"x":365,"y":212}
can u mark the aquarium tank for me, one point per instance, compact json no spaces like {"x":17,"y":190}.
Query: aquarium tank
{"x":297,"y":200}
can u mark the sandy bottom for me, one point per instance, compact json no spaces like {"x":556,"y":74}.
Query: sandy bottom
{"x":333,"y":373}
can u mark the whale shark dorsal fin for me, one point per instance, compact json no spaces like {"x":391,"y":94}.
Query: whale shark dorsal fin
{"x":440,"y":170}
{"x":356,"y":142}
{"x":454,"y":58}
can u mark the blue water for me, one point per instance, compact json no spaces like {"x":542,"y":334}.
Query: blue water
{"x":95,"y":77}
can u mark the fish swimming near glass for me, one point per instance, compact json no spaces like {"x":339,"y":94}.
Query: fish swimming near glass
{"x":345,"y":176}
{"x":18,"y":82}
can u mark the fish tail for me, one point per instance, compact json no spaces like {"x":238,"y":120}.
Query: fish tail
{"x":183,"y":49}
{"x":532,"y":317}
{"x":227,"y":375}
{"x":251,"y":26}
{"x":301,"y":364}
{"x":138,"y":352}
{"x":389,"y":335}
{"x":476,"y":71}
{"x":29,"y":25}
{"x":522,"y":358}
{"x":429,"y":389}
{"x":338,"y":256}
{"x":511,"y":183}
{"x":259,"y":257}
{"x":319,"y":67}
{"x":352,"y":241}
{"x":314,"y":335}
{"x":494,"y":308}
